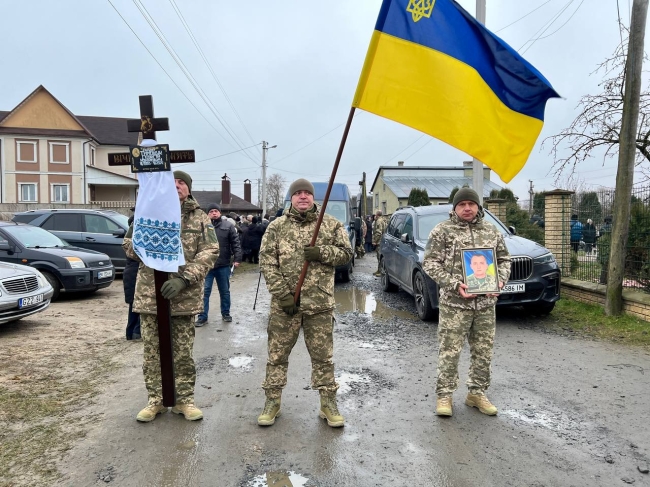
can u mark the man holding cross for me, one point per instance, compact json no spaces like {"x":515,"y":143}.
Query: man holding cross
{"x":184,"y":291}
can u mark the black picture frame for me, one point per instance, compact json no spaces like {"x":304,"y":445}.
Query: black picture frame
{"x":485,"y":264}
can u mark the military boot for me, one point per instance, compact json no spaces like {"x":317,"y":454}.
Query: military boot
{"x":481,"y":402}
{"x":190,"y":411}
{"x":150,"y":412}
{"x":377,"y":273}
{"x":330,"y":411}
{"x":271,"y":411}
{"x":443,"y":406}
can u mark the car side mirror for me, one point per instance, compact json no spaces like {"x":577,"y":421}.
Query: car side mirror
{"x":4,"y":245}
{"x":119,"y":233}
{"x":405,"y":238}
{"x":513,"y":230}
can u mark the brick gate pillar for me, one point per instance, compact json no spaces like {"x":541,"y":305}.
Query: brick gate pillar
{"x":497,"y":207}
{"x":557,"y":215}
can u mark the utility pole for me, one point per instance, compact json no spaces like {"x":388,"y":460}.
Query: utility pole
{"x":627,"y":151}
{"x":477,"y":166}
{"x":259,"y":189}
{"x":531,"y":193}
{"x":263,"y":178}
{"x":265,"y":147}
{"x":363,"y":202}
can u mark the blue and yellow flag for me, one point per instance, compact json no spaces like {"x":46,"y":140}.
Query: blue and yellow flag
{"x":434,"y":67}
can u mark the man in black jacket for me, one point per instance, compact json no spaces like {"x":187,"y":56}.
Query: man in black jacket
{"x":229,"y":247}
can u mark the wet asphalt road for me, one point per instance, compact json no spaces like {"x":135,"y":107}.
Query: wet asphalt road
{"x":572,"y":412}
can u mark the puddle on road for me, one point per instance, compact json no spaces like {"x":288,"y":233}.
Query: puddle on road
{"x":243,"y":362}
{"x":347,"y":378}
{"x":364,"y":302}
{"x":279,"y":479}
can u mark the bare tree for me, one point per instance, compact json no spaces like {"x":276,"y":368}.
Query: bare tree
{"x":598,"y":126}
{"x":275,"y":192}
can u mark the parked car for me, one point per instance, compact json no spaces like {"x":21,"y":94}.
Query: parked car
{"x":66,"y":268}
{"x":24,"y":291}
{"x":99,"y":230}
{"x":534,"y":277}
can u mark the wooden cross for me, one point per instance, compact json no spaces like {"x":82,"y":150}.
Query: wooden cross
{"x":148,"y":125}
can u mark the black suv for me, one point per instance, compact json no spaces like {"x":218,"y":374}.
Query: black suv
{"x":534,"y":278}
{"x":99,"y":230}
{"x":66,"y":268}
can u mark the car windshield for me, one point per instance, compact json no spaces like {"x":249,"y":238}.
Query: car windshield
{"x":427,"y":222}
{"x":337,"y":209}
{"x":34,"y":237}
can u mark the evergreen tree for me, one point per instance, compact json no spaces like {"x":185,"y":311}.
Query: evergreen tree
{"x":419,"y":197}
{"x":452,"y":194}
{"x":590,"y":207}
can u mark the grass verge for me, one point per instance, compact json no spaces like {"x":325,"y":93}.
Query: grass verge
{"x":590,"y":320}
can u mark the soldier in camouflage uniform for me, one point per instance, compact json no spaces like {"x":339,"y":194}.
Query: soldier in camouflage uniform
{"x":185,"y":291}
{"x":480,"y":280}
{"x":378,"y":229}
{"x":285,"y":247}
{"x":463,"y":314}
{"x":360,"y":251}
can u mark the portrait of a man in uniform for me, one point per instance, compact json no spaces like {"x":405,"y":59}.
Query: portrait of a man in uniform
{"x":479,"y":269}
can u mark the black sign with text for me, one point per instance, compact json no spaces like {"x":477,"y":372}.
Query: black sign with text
{"x":150,"y":159}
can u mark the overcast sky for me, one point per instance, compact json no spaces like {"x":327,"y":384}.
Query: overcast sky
{"x":289,"y":68}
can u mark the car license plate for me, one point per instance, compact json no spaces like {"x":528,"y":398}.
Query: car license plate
{"x":103,"y":274}
{"x":514,"y":288}
{"x":31,"y":301}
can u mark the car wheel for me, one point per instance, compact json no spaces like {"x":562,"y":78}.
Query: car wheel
{"x":54,"y":282}
{"x":386,"y":285}
{"x":422,"y":300}
{"x":542,"y":309}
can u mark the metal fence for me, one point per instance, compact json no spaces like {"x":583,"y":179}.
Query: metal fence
{"x":590,"y":237}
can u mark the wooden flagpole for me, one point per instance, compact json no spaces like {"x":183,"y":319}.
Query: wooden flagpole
{"x":305,"y":266}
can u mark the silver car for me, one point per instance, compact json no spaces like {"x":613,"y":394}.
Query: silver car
{"x":23,"y":292}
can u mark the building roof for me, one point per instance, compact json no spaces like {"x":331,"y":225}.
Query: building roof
{"x":105,"y":130}
{"x":437,"y":187}
{"x":237,"y":204}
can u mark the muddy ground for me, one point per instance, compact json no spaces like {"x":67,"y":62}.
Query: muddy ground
{"x":572,"y":412}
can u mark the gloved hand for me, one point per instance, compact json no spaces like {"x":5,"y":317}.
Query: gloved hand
{"x":288,"y":306}
{"x":312,"y":254}
{"x":172,"y":287}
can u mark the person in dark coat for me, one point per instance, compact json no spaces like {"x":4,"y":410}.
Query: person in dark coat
{"x":368,"y":239}
{"x":576,"y":232}
{"x":229,"y":252}
{"x":128,"y":280}
{"x":255,"y":234}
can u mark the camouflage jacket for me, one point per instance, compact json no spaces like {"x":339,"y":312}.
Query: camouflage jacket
{"x":378,"y":229}
{"x":282,"y":258}
{"x":201,"y":250}
{"x":443,"y":263}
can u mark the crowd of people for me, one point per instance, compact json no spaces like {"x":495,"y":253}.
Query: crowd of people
{"x":214,"y":244}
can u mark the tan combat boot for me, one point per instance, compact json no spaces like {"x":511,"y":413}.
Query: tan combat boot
{"x":150,"y":412}
{"x":330,"y":411}
{"x":481,"y":402}
{"x":190,"y":411}
{"x":443,"y":406}
{"x":271,"y":411}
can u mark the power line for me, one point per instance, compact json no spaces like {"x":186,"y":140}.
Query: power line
{"x":207,"y":63}
{"x":407,"y":147}
{"x":545,"y":27}
{"x":179,"y":62}
{"x":520,"y":18}
{"x":307,"y":145}
{"x":565,"y":23}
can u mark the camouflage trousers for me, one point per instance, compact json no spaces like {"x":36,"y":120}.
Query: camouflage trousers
{"x":454,"y":326}
{"x":378,"y":257}
{"x":184,"y":369}
{"x":360,"y":251}
{"x":283,"y":331}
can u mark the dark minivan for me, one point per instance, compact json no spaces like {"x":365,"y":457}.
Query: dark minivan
{"x":99,"y":230}
{"x":66,"y":268}
{"x":534,"y":277}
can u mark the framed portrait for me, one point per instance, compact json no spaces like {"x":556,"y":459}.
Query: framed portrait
{"x":480,"y":270}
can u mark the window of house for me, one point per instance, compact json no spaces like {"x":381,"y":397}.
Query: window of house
{"x":376,"y":201}
{"x":60,"y":152}
{"x":27,"y":150}
{"x":383,"y":207}
{"x":92,"y":156}
{"x":27,"y":192}
{"x":60,"y":193}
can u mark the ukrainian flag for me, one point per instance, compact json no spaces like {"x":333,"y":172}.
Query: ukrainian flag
{"x":434,"y":67}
